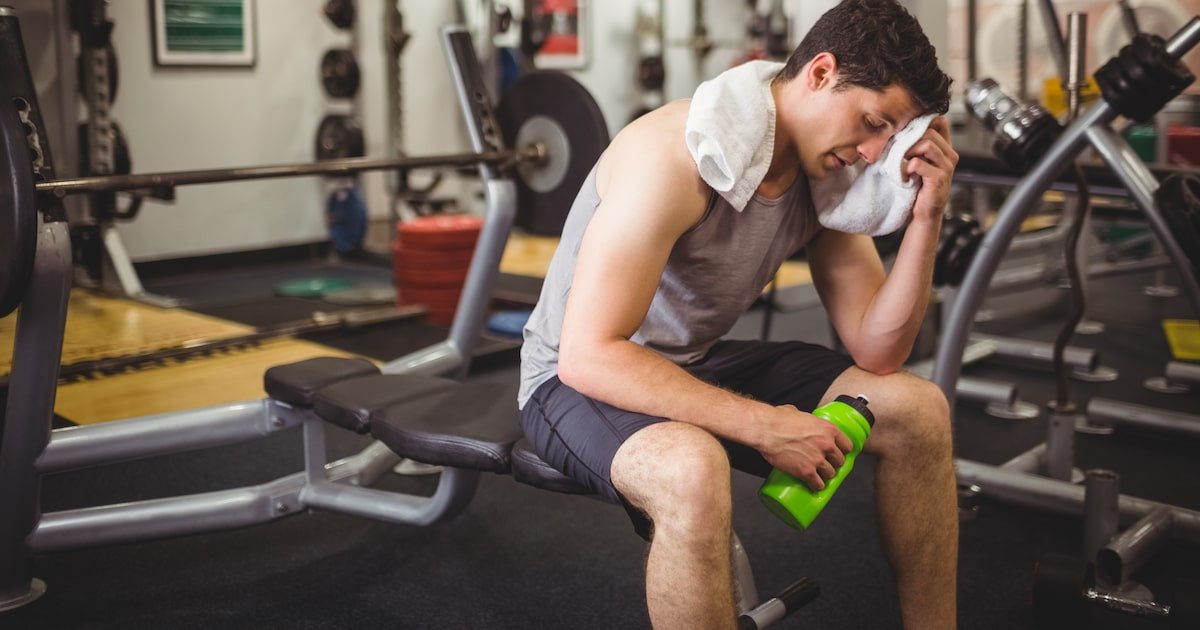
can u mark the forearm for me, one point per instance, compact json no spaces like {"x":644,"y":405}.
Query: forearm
{"x":628,"y":376}
{"x":893,"y":318}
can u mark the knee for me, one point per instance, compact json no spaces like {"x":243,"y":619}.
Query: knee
{"x":917,"y":417}
{"x":681,"y":476}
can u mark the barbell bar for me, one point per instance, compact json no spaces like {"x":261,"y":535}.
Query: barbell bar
{"x":533,"y":153}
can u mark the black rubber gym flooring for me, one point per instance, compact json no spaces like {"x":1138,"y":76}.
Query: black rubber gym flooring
{"x":525,"y":558}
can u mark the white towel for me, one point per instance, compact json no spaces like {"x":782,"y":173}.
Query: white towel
{"x":731,"y":130}
{"x":730,"y":133}
{"x":874,"y":200}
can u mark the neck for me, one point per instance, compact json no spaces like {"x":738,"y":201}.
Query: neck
{"x":785,"y":161}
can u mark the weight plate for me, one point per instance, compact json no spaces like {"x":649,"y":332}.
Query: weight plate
{"x":339,"y":73}
{"x":559,"y":98}
{"x":18,"y":209}
{"x":442,"y":298}
{"x":312,"y":287}
{"x":340,"y":13}
{"x":361,"y":296}
{"x":408,"y":277}
{"x":442,"y":258}
{"x":544,"y":177}
{"x":1058,"y":584}
{"x":440,"y":231}
{"x":339,"y":137}
{"x":1179,"y":200}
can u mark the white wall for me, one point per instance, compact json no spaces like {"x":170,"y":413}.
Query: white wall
{"x":183,"y":118}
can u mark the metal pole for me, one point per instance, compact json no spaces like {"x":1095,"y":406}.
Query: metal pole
{"x":1102,"y":487}
{"x":26,"y":429}
{"x":346,"y":166}
{"x":1061,"y":497}
{"x":1107,"y":412}
{"x":995,"y":243}
{"x":1054,"y":38}
{"x":1076,"y":78}
{"x":1124,"y":554}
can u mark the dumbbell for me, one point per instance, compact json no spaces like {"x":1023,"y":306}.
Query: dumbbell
{"x":960,"y":239}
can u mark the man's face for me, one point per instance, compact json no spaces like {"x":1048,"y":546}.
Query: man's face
{"x":841,"y":127}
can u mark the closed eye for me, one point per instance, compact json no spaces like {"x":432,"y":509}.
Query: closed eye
{"x":875,"y":125}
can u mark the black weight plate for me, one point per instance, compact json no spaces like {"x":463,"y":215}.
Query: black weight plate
{"x":339,"y":137}
{"x":1178,"y":198}
{"x":543,"y":97}
{"x":651,"y":73}
{"x":339,"y":73}
{"x":18,"y":209}
{"x":954,"y":249}
{"x":1058,"y":585}
{"x":340,"y":13}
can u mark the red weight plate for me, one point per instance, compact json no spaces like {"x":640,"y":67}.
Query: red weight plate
{"x":445,"y":297}
{"x":431,"y":258}
{"x":439,"y":231}
{"x":409,"y":277}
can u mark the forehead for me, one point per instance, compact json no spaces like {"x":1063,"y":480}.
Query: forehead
{"x":893,"y":102}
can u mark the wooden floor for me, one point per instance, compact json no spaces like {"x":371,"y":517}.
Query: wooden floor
{"x":104,"y":327}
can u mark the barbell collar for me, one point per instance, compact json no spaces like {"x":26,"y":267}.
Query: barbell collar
{"x":347,"y":166}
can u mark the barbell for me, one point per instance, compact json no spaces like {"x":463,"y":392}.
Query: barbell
{"x":553,"y":125}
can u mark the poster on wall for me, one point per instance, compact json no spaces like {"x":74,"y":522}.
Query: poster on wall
{"x":203,"y":32}
{"x":565,"y":45}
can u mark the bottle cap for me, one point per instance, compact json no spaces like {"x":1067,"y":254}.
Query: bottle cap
{"x":859,"y":404}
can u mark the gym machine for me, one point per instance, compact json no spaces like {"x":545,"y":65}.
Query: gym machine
{"x":413,"y":413}
{"x":1137,"y":83}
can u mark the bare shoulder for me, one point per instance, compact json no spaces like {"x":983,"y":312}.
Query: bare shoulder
{"x":649,"y":159}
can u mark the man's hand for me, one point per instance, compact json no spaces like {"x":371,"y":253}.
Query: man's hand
{"x":933,"y":160}
{"x":804,"y":446}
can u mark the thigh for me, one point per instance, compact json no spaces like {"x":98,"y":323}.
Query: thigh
{"x":579,"y":436}
{"x":775,"y":372}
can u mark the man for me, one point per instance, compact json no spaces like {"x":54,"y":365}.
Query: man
{"x":627,"y":388}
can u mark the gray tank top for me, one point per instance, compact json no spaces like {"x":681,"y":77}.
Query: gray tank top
{"x":713,"y":275}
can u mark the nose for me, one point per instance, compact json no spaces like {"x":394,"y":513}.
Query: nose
{"x":871,"y":149}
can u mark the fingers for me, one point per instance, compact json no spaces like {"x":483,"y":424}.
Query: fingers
{"x":935,"y":150}
{"x":814,"y":480}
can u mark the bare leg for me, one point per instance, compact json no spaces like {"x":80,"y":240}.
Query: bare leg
{"x":915,"y":488}
{"x":679,"y":476}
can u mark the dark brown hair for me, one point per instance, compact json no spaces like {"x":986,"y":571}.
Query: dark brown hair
{"x":877,"y":43}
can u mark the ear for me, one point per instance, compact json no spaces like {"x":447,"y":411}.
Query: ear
{"x":821,"y":71}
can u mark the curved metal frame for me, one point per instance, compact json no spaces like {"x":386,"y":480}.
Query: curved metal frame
{"x":1010,"y":482}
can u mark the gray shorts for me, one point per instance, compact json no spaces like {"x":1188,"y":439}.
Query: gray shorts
{"x":580,"y":436}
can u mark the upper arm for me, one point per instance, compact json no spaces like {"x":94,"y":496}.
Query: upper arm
{"x":650,"y":195}
{"x":847,"y":273}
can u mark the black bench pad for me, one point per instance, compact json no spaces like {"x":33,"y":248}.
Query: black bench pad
{"x":529,"y":469}
{"x":472,"y":426}
{"x":295,"y":383}
{"x":351,"y":402}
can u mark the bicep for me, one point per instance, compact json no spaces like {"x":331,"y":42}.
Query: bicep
{"x":847,"y":273}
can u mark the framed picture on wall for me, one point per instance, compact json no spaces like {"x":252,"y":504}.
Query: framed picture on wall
{"x":203,"y":32}
{"x":564,"y":23}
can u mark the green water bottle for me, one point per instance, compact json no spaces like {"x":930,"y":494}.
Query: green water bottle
{"x":789,"y":498}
